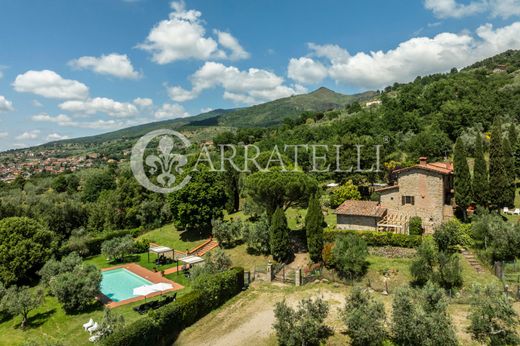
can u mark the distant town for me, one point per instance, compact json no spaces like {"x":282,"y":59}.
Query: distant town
{"x":28,"y":163}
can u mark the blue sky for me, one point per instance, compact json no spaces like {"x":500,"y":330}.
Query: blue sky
{"x":70,"y":68}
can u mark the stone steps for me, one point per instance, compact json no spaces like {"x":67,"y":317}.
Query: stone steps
{"x":472,"y":260}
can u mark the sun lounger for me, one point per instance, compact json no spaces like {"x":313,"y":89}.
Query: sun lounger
{"x":517,"y":211}
{"x":89,"y":324}
{"x":94,"y":338}
{"x":93,"y":328}
{"x":506,"y":210}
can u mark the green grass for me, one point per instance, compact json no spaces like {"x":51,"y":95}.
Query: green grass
{"x":240,"y":258}
{"x":169,"y":236}
{"x":50,"y":323}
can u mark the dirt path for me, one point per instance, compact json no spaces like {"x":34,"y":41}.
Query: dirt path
{"x":248,"y":319}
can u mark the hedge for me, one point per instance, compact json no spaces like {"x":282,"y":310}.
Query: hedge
{"x":94,"y":244}
{"x":162,"y":326}
{"x":374,"y":238}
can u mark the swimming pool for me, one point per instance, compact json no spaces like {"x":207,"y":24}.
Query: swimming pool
{"x":118,"y":284}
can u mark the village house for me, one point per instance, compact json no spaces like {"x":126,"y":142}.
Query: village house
{"x":424,"y":190}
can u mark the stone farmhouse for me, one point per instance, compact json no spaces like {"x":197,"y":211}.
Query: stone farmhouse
{"x":424,"y":190}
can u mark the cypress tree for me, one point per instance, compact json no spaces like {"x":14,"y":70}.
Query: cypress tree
{"x":279,"y":237}
{"x":462,"y":177}
{"x":515,"y":146}
{"x":480,"y":183}
{"x":510,"y":173}
{"x":314,"y":229}
{"x":498,"y":180}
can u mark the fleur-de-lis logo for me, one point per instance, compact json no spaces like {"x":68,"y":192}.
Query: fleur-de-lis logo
{"x":162,"y":161}
{"x":165,"y":161}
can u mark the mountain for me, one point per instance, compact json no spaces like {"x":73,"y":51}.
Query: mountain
{"x":267,"y":114}
{"x":274,"y":112}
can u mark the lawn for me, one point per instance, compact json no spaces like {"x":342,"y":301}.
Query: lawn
{"x":169,"y":236}
{"x":240,"y":258}
{"x":49,"y":323}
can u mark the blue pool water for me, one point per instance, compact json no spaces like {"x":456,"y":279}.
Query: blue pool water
{"x":118,"y":284}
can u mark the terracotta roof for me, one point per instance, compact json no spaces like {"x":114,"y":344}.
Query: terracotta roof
{"x":439,"y":167}
{"x":387,"y":188}
{"x":361,"y":208}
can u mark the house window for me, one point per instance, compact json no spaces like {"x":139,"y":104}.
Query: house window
{"x":408,"y":200}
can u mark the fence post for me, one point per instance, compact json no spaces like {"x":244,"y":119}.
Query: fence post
{"x":298,"y":277}
{"x":269,"y":272}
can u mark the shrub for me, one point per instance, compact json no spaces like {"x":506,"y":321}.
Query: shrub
{"x":141,"y":245}
{"x":375,"y":238}
{"x":421,"y":317}
{"x":448,"y":235}
{"x":117,"y":248}
{"x":493,"y":320}
{"x":436,"y":266}
{"x":257,"y":237}
{"x":344,"y":192}
{"x":415,"y":226}
{"x":303,"y":326}
{"x":350,"y":253}
{"x":92,"y":245}
{"x":77,"y":289}
{"x":53,"y":267}
{"x":162,"y":326}
{"x":228,"y":232}
{"x":364,"y":318}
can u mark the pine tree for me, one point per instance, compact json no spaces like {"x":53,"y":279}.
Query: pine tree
{"x":462,"y":179}
{"x":279,"y":237}
{"x":314,"y":229}
{"x":510,"y":173}
{"x":498,"y":180}
{"x":480,"y":185}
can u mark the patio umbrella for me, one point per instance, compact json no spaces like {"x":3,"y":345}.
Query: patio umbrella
{"x":162,"y":286}
{"x":144,"y":290}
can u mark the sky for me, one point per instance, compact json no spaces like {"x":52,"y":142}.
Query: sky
{"x":73,"y":68}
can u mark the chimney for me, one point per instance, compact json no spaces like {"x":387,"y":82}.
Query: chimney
{"x":423,"y":161}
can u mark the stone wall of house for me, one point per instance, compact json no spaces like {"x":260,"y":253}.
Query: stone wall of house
{"x":355,"y":222}
{"x":429,"y":190}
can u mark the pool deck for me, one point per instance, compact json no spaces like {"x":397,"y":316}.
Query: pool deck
{"x":149,"y":275}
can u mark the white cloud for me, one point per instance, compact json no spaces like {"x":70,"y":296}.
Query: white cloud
{"x":417,"y":56}
{"x":143,"y":102}
{"x":67,"y":121}
{"x":183,"y":36}
{"x":56,"y":137}
{"x":3,"y":135}
{"x":505,"y":8}
{"x":34,"y":134}
{"x":306,"y":70}
{"x":451,"y":8}
{"x":206,"y":109}
{"x":101,"y":105}
{"x":49,"y":84}
{"x":171,"y":111}
{"x":455,"y":9}
{"x":333,"y":52}
{"x":228,"y":41}
{"x":5,"y":104}
{"x":248,"y":86}
{"x":180,"y":94}
{"x":117,"y":65}
{"x":60,"y":119}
